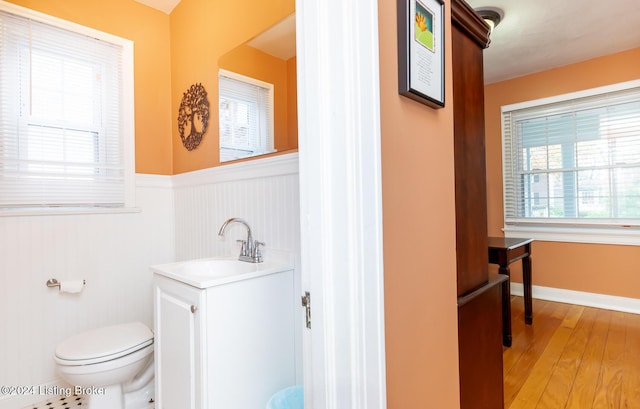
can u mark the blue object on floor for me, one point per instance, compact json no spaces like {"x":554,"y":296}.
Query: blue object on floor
{"x":287,"y":398}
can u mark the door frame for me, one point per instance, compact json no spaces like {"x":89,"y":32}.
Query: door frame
{"x":341,"y":203}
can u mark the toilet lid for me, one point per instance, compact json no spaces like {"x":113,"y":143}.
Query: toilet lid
{"x":104,"y":344}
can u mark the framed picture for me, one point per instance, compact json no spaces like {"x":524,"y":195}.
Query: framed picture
{"x":421,"y":51}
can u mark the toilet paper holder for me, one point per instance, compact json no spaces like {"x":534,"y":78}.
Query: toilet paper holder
{"x":52,"y":282}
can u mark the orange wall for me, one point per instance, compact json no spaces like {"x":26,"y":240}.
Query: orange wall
{"x":149,"y":29}
{"x":256,"y":64}
{"x":201,"y":32}
{"x":602,"y":269}
{"x":419,"y":236}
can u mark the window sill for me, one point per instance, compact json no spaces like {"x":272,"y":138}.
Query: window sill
{"x":627,"y":236}
{"x":66,"y":211}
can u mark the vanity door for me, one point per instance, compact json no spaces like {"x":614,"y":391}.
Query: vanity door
{"x":179,"y":353}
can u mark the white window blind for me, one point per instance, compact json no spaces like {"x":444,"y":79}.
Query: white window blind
{"x":246,"y":116}
{"x":66,"y":128}
{"x":574,"y":160}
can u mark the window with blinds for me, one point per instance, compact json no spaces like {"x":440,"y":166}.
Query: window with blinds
{"x":66,"y":115}
{"x":246,"y":116}
{"x":574,"y":159}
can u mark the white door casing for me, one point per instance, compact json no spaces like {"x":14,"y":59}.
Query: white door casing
{"x":340,"y":203}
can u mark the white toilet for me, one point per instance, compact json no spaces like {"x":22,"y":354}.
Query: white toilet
{"x":112,"y":366}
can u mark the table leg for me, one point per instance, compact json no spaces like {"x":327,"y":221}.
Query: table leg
{"x":526,"y":283}
{"x":506,"y":307}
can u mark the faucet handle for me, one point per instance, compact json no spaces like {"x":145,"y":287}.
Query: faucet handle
{"x":243,"y":250}
{"x":256,"y":250}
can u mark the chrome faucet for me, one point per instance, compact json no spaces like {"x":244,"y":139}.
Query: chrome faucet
{"x":250,"y":251}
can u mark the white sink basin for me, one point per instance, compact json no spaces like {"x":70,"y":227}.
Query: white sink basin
{"x":209,"y":272}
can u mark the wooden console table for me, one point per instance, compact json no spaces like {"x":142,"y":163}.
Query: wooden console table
{"x":504,"y":251}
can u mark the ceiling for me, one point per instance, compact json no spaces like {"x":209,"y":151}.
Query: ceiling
{"x":279,"y":40}
{"x":163,"y":5}
{"x":536,"y":35}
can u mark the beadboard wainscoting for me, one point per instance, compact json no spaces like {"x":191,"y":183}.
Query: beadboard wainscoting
{"x":264,"y":192}
{"x":178,"y":219}
{"x":112,"y":252}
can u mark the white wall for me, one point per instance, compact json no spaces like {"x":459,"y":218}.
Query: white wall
{"x":179,"y":219}
{"x":111,"y":252}
{"x":264,"y":192}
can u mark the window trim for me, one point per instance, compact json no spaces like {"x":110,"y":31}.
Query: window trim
{"x":625,"y":236}
{"x":270,"y":143}
{"x":567,"y":230}
{"x":127,"y":114}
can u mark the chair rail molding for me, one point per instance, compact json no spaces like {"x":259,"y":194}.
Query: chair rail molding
{"x":279,"y":165}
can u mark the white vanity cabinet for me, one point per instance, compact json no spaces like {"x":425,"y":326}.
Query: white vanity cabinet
{"x":229,"y":345}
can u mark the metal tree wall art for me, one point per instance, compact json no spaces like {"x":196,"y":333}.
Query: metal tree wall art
{"x":193,"y":116}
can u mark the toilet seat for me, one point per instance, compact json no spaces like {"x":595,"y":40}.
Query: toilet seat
{"x":103,"y":344}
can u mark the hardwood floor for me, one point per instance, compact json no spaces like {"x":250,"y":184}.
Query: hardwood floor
{"x":572,"y":357}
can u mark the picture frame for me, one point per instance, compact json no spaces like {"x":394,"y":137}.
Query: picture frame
{"x":421,"y":51}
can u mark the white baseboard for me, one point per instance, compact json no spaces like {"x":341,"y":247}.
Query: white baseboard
{"x":607,"y":302}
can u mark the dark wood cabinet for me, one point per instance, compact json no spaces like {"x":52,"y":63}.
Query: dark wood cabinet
{"x":469,"y":150}
{"x":480,"y":347}
{"x":479,"y":297}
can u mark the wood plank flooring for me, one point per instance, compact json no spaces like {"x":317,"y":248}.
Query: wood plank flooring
{"x":572,"y":357}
